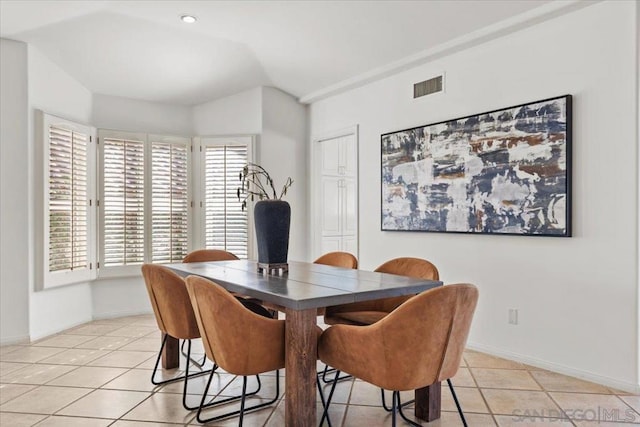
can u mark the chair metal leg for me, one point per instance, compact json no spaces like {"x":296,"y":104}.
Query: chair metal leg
{"x":244,"y":392}
{"x":455,"y":399}
{"x":393,"y":408}
{"x":187,"y":376}
{"x":243,"y":397}
{"x":326,"y":370}
{"x":384,"y":402}
{"x":204,"y":396}
{"x":399,"y":406}
{"x":324,"y":404}
{"x":195,"y":362}
{"x":179,"y":378}
{"x":232,"y":398}
{"x":325,"y":413}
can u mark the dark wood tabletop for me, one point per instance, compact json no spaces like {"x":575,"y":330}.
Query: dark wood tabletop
{"x":299,"y":293}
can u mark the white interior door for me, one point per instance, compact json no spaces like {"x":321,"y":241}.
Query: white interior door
{"x":334,"y":213}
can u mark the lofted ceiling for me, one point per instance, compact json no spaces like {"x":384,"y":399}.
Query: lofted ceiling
{"x":141,"y":49}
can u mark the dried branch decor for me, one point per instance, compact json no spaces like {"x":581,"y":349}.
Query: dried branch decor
{"x":257,"y":183}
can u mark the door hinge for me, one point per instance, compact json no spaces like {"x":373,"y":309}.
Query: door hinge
{"x":97,"y":203}
{"x":90,"y":266}
{"x":90,"y":203}
{"x":192,"y":203}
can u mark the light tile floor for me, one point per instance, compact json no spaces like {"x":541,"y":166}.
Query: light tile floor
{"x":97,"y":374}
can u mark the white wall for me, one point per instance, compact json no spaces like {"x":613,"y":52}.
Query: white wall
{"x":114,"y":112}
{"x":14,"y":205}
{"x":236,"y":114}
{"x":578,"y":296}
{"x":282,"y":150}
{"x":52,"y":90}
{"x":119,"y":297}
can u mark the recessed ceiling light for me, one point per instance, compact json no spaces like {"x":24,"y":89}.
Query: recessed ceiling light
{"x":189,"y":19}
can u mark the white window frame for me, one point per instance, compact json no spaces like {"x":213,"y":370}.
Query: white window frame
{"x":108,"y":272}
{"x":44,"y":278}
{"x":199,"y":171}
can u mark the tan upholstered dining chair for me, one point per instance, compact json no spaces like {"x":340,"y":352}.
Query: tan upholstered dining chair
{"x":240,"y":340}
{"x":368,"y":312}
{"x":202,"y":255}
{"x":435,"y":322}
{"x":338,"y":259}
{"x":174,"y":316}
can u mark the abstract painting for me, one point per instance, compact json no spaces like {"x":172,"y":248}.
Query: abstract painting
{"x":506,"y":171}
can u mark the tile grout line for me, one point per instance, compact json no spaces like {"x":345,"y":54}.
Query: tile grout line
{"x":628,"y":406}
{"x":484,"y":399}
{"x":548,"y":394}
{"x":347,"y":403}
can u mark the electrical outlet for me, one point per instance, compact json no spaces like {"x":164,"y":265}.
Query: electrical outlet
{"x":513,"y":316}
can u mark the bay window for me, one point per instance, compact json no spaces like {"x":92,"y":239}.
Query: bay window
{"x":114,"y":201}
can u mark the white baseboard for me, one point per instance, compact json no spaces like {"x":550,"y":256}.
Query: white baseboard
{"x":16,"y":339}
{"x":116,"y":314}
{"x":26,"y":339}
{"x":629,"y":387}
{"x":56,"y":330}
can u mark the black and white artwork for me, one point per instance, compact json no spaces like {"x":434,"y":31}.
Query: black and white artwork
{"x":506,"y":171}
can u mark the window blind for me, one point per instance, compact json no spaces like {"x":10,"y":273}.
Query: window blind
{"x":68,"y":212}
{"x":225,"y":223}
{"x":169,"y":201}
{"x":123,"y":199}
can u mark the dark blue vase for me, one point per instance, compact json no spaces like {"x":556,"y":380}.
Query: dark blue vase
{"x":272,"y":220}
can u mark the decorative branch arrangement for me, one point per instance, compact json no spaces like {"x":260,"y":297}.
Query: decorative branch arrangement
{"x":256,"y":182}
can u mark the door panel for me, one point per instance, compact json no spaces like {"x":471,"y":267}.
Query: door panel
{"x":331,"y":244}
{"x":330,"y":207}
{"x":350,"y":207}
{"x":330,"y":156}
{"x":349,"y":160}
{"x":350,"y":244}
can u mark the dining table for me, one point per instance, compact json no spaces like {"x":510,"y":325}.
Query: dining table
{"x":299,"y":293}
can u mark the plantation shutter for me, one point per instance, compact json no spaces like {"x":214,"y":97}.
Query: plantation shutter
{"x":225,"y":223}
{"x":65,"y":177}
{"x":169,"y":201}
{"x":123,"y":202}
{"x":68,"y":200}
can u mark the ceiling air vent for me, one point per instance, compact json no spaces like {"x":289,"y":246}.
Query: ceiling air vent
{"x":428,"y":87}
